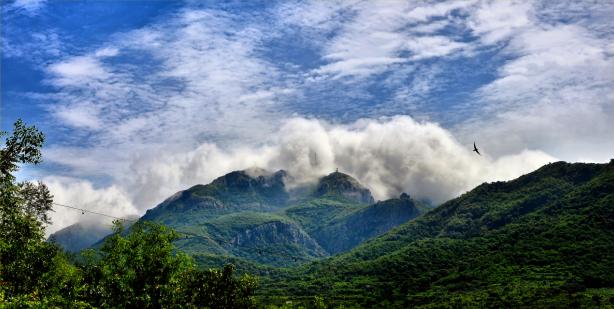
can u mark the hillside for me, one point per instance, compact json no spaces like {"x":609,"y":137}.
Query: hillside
{"x":234,"y":192}
{"x":256,"y":221}
{"x":545,"y":239}
{"x":79,"y":236}
{"x":347,"y":231}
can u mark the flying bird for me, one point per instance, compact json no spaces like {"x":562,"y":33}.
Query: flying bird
{"x":476,"y":149}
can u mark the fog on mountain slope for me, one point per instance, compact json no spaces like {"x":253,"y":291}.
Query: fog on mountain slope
{"x":388,"y":155}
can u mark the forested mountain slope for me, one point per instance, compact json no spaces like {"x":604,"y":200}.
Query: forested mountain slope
{"x":545,"y":239}
{"x":253,"y":220}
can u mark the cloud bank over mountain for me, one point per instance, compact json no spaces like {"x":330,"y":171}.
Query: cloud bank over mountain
{"x":389,"y":156}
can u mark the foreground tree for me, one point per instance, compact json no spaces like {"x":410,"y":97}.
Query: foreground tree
{"x":143,"y":269}
{"x":24,"y":256}
{"x":136,"y":269}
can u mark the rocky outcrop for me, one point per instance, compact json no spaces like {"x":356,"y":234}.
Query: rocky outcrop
{"x":277,"y":232}
{"x":340,"y":184}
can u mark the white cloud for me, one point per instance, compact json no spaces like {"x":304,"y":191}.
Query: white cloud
{"x":31,"y":45}
{"x":432,"y":46}
{"x":31,"y":7}
{"x":394,"y":155}
{"x":494,"y":21}
{"x":106,"y":52}
{"x":380,"y":33}
{"x":77,"y":71}
{"x":425,"y":12}
{"x":79,"y":116}
{"x":554,"y":93}
{"x":201,"y":68}
{"x":357,"y":67}
{"x":82,"y":194}
{"x":389,"y":156}
{"x":316,"y":15}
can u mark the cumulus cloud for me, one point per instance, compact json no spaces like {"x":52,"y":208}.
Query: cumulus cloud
{"x":82,"y":194}
{"x":389,"y":156}
{"x":204,"y":92}
{"x":394,"y":155}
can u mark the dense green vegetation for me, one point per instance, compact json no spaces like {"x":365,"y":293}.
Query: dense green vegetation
{"x":136,"y":269}
{"x":347,"y":231}
{"x":543,"y":240}
{"x":249,"y":217}
{"x":231,"y":193}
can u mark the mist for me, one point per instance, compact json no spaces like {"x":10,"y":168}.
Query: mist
{"x":387,"y":155}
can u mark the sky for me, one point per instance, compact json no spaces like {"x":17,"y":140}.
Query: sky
{"x":141,"y":99}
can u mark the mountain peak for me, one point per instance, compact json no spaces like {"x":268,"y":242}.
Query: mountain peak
{"x":251,"y":178}
{"x":338,"y":183}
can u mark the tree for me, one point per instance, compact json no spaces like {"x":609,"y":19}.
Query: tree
{"x":141,"y":268}
{"x":24,"y":256}
{"x":220,"y":289}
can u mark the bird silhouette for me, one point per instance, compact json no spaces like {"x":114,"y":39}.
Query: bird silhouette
{"x":476,"y":149}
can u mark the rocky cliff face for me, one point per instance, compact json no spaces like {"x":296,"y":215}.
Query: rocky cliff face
{"x":278,"y":233}
{"x":275,"y":232}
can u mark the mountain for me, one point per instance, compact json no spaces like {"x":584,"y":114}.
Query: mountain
{"x":82,"y":235}
{"x":251,"y":217}
{"x":233,"y":192}
{"x":340,"y":184}
{"x":545,"y":239}
{"x":79,"y":236}
{"x":347,"y":231}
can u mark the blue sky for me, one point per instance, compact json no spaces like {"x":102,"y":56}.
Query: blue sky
{"x":140,"y":99}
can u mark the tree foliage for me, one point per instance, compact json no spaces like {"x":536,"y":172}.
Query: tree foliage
{"x":545,"y":239}
{"x":25,"y":259}
{"x":139,"y":268}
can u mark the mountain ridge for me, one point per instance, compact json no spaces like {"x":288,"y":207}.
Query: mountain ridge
{"x":545,"y":239}
{"x":251,"y":215}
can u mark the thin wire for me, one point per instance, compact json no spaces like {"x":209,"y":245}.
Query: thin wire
{"x":93,"y":212}
{"x":118,"y":218}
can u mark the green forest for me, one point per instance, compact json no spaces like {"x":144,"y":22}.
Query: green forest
{"x":543,"y":240}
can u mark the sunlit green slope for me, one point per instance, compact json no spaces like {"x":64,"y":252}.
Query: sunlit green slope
{"x":545,"y":239}
{"x":256,"y":221}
